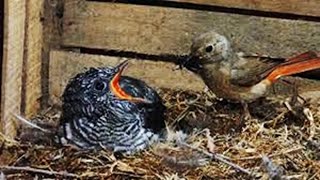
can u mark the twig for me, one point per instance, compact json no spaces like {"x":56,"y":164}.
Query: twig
{"x":181,"y":161}
{"x":8,"y":139}
{"x":312,"y":142}
{"x":42,"y":171}
{"x":272,"y":155}
{"x":275,"y":120}
{"x":180,"y":117}
{"x":217,"y":157}
{"x":298,"y":176}
{"x":309,"y":116}
{"x":288,"y":106}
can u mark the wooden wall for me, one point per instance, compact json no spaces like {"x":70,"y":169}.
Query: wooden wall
{"x":158,"y":30}
{"x":27,"y":32}
{"x":293,"y":7}
{"x":118,"y":28}
{"x":1,"y":44}
{"x":57,"y":39}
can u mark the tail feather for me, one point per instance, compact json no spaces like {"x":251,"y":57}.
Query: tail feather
{"x":294,"y":67}
{"x":302,"y":57}
{"x":289,"y":67}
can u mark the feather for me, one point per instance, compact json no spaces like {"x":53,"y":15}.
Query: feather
{"x":25,"y":121}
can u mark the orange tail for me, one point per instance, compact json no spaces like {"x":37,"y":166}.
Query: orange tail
{"x":296,"y":66}
{"x":304,"y":56}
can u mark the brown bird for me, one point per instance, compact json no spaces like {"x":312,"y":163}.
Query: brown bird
{"x":240,"y":79}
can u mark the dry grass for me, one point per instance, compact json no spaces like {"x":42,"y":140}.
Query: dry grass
{"x":278,"y":142}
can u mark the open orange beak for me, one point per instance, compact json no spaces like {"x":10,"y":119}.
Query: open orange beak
{"x":116,"y":88}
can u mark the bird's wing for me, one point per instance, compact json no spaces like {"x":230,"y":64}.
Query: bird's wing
{"x":251,"y":70}
{"x":137,"y":88}
{"x":153,"y":112}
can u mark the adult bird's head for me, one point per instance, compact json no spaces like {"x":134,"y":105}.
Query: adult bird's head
{"x":208,"y":48}
{"x":90,"y":92}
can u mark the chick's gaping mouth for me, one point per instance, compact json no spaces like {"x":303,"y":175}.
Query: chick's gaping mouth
{"x":116,"y":88}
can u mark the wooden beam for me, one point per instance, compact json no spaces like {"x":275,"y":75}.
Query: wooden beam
{"x":52,"y":30}
{"x":14,"y":33}
{"x":158,"y":30}
{"x":32,"y":61}
{"x":64,"y":65}
{"x":309,"y":8}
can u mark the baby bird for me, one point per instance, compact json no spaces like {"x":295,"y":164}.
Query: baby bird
{"x":102,"y":109}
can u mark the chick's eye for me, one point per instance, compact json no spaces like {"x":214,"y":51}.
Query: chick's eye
{"x":209,"y":48}
{"x":99,"y":85}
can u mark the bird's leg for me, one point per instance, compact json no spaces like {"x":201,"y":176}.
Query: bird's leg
{"x":246,"y":112}
{"x":295,"y":94}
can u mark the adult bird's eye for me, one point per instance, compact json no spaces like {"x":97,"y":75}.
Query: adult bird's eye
{"x":209,"y":48}
{"x":99,"y":85}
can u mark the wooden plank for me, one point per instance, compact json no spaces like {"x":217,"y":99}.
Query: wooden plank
{"x":64,"y":65}
{"x":32,"y":61}
{"x":310,"y":7}
{"x":158,"y":30}
{"x":12,"y":64}
{"x":52,"y":30}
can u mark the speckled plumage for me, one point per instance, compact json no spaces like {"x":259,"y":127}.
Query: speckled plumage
{"x":93,"y":116}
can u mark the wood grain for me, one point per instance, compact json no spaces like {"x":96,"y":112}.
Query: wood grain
{"x":15,"y":14}
{"x":64,"y":65}
{"x":52,"y":30}
{"x":32,"y":61}
{"x":159,"y":30}
{"x":310,"y":7}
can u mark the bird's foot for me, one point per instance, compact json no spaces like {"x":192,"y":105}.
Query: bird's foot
{"x":246,"y":113}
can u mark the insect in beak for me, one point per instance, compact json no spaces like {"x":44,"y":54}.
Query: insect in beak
{"x":191,"y":63}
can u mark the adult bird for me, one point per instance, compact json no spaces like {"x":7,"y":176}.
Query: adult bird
{"x":103,"y":109}
{"x":239,"y":79}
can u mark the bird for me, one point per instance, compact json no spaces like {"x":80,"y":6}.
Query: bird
{"x":237,"y":79}
{"x":103,"y":109}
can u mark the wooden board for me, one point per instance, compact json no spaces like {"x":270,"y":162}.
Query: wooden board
{"x":64,"y":65}
{"x":14,"y":33}
{"x":52,"y":30}
{"x":32,"y":59}
{"x":310,"y":7}
{"x":158,"y":30}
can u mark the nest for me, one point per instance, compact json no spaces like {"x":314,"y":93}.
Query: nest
{"x":280,"y":141}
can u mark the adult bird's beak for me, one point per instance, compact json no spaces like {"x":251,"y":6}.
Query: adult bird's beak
{"x":191,"y":63}
{"x":116,"y":88}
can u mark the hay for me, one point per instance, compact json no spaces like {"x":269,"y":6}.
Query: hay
{"x":279,"y":142}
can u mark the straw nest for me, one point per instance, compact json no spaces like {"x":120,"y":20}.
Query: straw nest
{"x":280,"y":141}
